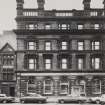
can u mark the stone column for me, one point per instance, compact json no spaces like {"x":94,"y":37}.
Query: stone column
{"x":89,"y":86}
{"x":56,"y":86}
{"x":88,"y":61}
{"x":18,"y":93}
{"x":41,"y":62}
{"x":54,"y":61}
{"x":39,"y":85}
{"x":74,"y":61}
{"x":103,"y":86}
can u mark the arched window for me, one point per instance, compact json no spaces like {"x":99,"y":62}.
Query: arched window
{"x":96,"y":86}
{"x":48,"y":86}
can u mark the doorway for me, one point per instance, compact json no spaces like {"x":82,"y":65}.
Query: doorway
{"x":12,"y":91}
{"x":75,"y":91}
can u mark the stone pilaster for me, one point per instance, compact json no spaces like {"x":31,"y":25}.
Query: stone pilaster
{"x":18,"y":94}
{"x":74,"y":61}
{"x":89,"y":86}
{"x":55,"y":61}
{"x":56,"y":86}
{"x":103,"y":86}
{"x":88,"y":61}
{"x":41,"y":66}
{"x":74,"y":44}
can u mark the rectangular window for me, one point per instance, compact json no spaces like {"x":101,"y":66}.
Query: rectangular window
{"x":64,"y":45}
{"x":8,"y":74}
{"x":96,"y":63}
{"x":95,"y":45}
{"x":64,"y":63}
{"x":80,"y":27}
{"x":32,"y":46}
{"x":8,"y":60}
{"x":47,"y":46}
{"x":93,"y":13}
{"x":81,"y":45}
{"x":48,"y":86}
{"x":32,"y":64}
{"x":80,"y":63}
{"x":48,"y":64}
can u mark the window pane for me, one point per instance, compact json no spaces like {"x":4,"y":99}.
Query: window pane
{"x":80,"y":27}
{"x":96,"y":63}
{"x":80,"y":63}
{"x":48,"y":66}
{"x":47,"y":27}
{"x":31,"y":45}
{"x":96,"y":45}
{"x":31,"y":66}
{"x":64,"y":45}
{"x":48,"y":60}
{"x":31,"y":60}
{"x":96,"y":26}
{"x":64,"y":26}
{"x":48,"y":46}
{"x":80,"y":45}
{"x":47,"y":63}
{"x":64,"y":63}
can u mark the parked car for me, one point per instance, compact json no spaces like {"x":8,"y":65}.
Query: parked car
{"x":73,"y":99}
{"x":33,"y":98}
{"x":5,"y":99}
{"x":98,"y":99}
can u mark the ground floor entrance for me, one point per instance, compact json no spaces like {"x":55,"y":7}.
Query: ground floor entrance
{"x":75,"y":91}
{"x":8,"y":88}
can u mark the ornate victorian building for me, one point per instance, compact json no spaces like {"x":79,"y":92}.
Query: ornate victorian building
{"x":8,"y":63}
{"x":60,"y":52}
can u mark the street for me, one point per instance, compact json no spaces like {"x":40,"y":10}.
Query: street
{"x":44,"y":104}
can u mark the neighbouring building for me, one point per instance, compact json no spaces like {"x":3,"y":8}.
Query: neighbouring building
{"x":8,"y":47}
{"x":60,"y":52}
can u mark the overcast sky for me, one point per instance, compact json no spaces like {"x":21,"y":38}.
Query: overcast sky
{"x":8,"y":9}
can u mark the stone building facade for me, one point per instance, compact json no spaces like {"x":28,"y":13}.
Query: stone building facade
{"x":60,"y":52}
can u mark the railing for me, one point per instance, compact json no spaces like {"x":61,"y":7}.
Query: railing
{"x":30,"y":12}
{"x":64,"y":13}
